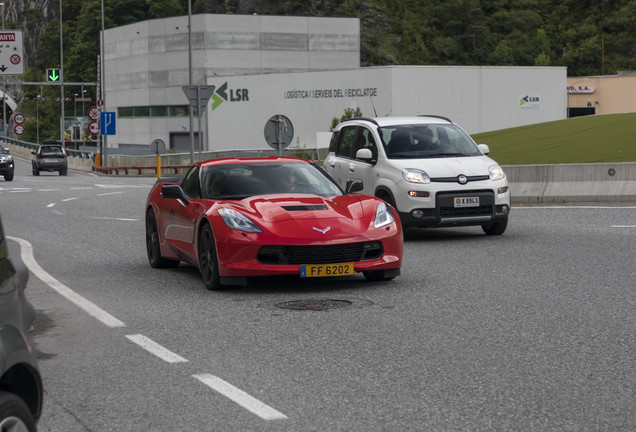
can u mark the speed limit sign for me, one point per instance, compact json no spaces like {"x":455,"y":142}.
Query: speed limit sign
{"x":18,"y":129}
{"x":18,"y":118}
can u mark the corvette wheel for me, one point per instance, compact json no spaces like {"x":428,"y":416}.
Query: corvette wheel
{"x":152,"y":244}
{"x":14,"y":414}
{"x":208,"y":261}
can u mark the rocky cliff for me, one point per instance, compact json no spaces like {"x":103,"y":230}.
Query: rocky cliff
{"x":30,"y":16}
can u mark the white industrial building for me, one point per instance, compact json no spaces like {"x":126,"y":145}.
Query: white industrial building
{"x":306,"y":69}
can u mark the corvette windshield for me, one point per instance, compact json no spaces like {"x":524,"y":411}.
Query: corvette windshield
{"x":238,"y":181}
{"x":426,"y":141}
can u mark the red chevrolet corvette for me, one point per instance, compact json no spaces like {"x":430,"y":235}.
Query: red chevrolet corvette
{"x":236,"y":218}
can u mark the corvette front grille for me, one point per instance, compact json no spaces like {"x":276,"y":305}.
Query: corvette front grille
{"x":329,"y":254}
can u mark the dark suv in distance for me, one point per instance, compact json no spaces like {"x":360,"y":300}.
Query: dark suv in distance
{"x":20,"y":380}
{"x":50,"y":157}
{"x":6,"y":164}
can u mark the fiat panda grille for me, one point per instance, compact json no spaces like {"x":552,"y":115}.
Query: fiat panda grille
{"x":325,"y":254}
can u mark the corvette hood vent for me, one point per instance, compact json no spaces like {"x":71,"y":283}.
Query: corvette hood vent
{"x":276,"y":208}
{"x":305,"y":207}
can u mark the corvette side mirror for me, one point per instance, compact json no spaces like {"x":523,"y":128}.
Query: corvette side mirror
{"x":354,"y":185}
{"x":174,"y":191}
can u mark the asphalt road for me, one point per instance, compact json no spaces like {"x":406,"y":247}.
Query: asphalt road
{"x":531,"y":330}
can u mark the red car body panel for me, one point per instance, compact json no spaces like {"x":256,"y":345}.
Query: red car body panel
{"x":343,"y":219}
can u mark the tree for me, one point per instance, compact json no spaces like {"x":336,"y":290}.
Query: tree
{"x":348,"y":113}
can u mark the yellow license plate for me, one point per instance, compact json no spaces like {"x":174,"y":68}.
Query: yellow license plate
{"x":322,"y":270}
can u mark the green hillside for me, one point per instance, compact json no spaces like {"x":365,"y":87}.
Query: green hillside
{"x":590,"y":139}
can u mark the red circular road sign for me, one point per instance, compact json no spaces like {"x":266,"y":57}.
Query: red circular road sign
{"x":100,"y":103}
{"x":93,"y":113}
{"x":18,"y":118}
{"x":18,"y":129}
{"x":15,"y":59}
{"x":93,"y":128}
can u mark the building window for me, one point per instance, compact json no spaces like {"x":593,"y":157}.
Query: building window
{"x":155,"y":111}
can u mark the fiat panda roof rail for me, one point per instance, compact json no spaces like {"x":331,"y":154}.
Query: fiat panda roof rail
{"x":436,"y":116}
{"x":361,"y":118}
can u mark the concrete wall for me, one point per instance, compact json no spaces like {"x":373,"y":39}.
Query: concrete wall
{"x":602,"y":182}
{"x":477,"y":98}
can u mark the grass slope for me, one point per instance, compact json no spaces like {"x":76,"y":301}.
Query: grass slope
{"x":590,"y":139}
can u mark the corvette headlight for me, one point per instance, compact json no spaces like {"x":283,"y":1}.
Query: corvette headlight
{"x":496,"y":172}
{"x":415,"y":176}
{"x":238,"y":221}
{"x":383,"y":216}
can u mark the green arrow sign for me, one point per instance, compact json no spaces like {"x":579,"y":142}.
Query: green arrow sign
{"x":52,"y":75}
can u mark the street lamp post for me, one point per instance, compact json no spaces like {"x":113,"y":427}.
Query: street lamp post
{"x":4,"y":89}
{"x":37,"y":119}
{"x":83,"y":97}
{"x":75,"y":106}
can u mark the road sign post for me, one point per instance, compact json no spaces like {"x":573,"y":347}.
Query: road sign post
{"x":198,"y":96}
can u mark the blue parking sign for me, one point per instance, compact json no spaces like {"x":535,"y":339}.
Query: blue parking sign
{"x":107,"y":121}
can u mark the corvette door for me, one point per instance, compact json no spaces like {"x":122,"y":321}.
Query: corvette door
{"x":181,"y":218}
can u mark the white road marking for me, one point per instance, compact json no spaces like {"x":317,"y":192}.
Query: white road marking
{"x":50,"y":205}
{"x":110,"y":193}
{"x":20,"y":191}
{"x":240,"y":397}
{"x":156,"y":349}
{"x":117,"y":219}
{"x":26,"y":253}
{"x":623,"y":226}
{"x":48,"y":190}
{"x":578,"y":207}
{"x":70,"y":199}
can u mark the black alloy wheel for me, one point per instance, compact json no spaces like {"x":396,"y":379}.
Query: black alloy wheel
{"x":208,"y":260}
{"x":153,"y":248}
{"x":14,"y":414}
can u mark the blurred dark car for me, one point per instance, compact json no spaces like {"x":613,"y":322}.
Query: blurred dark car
{"x":20,"y":380}
{"x":50,"y":157}
{"x":6,"y":164}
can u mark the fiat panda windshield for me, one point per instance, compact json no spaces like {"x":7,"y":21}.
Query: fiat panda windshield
{"x":426,"y":141}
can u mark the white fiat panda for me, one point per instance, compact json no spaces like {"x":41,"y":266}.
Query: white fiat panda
{"x":427,"y":168}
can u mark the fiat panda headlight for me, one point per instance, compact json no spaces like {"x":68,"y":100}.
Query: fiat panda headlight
{"x":412,"y":175}
{"x":496,"y":172}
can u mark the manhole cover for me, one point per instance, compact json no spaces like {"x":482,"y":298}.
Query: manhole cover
{"x":316,"y":305}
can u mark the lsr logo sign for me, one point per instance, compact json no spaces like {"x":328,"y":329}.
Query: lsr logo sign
{"x":220,"y":95}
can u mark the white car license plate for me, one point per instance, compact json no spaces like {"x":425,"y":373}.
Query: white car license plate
{"x":466,"y":202}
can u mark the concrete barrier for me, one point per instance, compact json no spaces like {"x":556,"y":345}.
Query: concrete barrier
{"x":595,"y":182}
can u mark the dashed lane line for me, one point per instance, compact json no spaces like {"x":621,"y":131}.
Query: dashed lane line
{"x":240,"y":397}
{"x":156,"y":349}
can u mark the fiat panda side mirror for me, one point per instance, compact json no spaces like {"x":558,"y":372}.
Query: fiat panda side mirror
{"x":484,"y":148}
{"x":364,"y":154}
